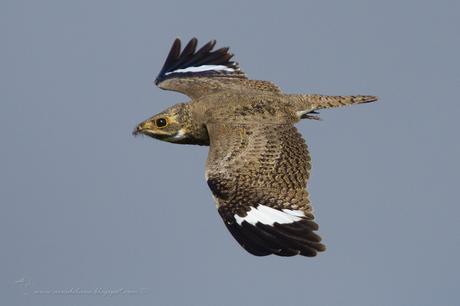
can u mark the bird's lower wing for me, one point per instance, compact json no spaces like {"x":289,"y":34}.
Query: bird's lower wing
{"x":258,"y":175}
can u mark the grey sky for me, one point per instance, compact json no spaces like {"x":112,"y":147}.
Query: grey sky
{"x":84,"y":205}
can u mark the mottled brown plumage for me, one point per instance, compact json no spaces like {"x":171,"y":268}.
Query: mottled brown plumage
{"x":258,"y":164}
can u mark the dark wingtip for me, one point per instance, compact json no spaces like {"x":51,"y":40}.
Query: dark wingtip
{"x":281,"y":239}
{"x":178,"y":59}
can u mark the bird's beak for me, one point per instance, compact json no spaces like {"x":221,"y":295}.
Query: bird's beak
{"x":142,"y":128}
{"x":136,"y":130}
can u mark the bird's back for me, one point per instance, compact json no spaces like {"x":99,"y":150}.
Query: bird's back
{"x":246,"y":106}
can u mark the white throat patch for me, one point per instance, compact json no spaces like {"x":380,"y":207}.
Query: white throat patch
{"x":180,"y":134}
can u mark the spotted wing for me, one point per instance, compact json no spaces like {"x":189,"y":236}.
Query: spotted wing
{"x":258,"y":176}
{"x":198,"y":72}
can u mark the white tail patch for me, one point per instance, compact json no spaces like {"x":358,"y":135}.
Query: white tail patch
{"x":203,"y":68}
{"x":267,"y":215}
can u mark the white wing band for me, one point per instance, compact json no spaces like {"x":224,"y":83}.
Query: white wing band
{"x":267,"y":215}
{"x":203,"y":68}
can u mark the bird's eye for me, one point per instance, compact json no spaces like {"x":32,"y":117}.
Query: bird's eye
{"x":161,"y":122}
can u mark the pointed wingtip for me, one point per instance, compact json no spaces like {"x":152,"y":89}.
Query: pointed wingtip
{"x":202,"y":62}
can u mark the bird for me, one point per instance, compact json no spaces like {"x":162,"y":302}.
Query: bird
{"x":258,"y":163}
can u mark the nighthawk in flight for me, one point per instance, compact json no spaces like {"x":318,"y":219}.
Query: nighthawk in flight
{"x":258,"y":163}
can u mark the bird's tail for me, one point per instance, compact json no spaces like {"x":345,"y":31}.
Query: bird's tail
{"x":307,"y":104}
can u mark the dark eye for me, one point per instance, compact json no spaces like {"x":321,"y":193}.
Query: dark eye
{"x":161,"y":122}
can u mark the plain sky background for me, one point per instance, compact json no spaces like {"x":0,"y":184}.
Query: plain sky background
{"x":85,"y":207}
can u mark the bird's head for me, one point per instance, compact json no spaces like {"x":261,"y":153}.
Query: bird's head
{"x":171,"y":125}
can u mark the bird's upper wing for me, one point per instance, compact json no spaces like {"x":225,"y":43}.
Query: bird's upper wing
{"x":199,"y":72}
{"x":258,"y":175}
